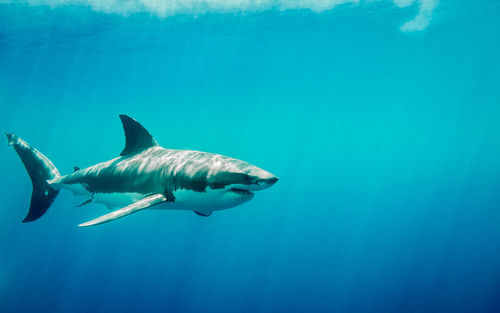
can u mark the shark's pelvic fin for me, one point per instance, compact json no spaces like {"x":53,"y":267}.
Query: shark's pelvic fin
{"x":129,"y":209}
{"x":137,"y":138}
{"x":88,"y":201}
{"x":204,"y":214}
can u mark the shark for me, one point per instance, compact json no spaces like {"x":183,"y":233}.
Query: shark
{"x":144,"y":176}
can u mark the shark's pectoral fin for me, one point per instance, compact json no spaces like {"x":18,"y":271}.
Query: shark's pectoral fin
{"x":203,"y":213}
{"x":129,"y":209}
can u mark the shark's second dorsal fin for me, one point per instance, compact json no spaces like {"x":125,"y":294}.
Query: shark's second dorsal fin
{"x":137,"y":138}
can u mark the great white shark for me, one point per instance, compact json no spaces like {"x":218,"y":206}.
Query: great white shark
{"x":145,"y":176}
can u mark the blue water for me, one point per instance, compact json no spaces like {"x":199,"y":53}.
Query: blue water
{"x":385,"y":139}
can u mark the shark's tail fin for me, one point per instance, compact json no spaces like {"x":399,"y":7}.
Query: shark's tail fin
{"x":40,"y":170}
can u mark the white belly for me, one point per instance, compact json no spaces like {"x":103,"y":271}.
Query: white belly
{"x":111,"y":200}
{"x":208,"y":201}
{"x":117,"y":200}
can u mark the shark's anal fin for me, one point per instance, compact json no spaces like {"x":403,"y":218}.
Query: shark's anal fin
{"x":88,"y":201}
{"x":129,"y":209}
{"x":137,"y":138}
{"x":204,"y":214}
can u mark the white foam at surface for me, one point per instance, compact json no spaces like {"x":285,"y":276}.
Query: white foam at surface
{"x":165,"y":8}
{"x":422,"y":20}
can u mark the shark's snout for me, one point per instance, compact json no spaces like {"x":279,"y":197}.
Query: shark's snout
{"x":263,"y":182}
{"x":267,"y":182}
{"x":271,"y":180}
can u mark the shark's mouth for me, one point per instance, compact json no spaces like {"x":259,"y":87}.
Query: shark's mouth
{"x":242,"y":192}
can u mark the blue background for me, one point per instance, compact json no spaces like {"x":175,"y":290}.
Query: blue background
{"x":386,"y":144}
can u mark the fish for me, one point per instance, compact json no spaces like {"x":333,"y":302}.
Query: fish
{"x":144,"y":176}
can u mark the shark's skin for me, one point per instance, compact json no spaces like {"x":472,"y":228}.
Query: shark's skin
{"x":189,"y":180}
{"x":147,"y":175}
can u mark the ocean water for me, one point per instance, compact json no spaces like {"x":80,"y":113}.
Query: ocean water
{"x":381,"y":118}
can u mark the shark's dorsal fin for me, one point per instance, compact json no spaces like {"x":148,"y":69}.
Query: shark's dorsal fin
{"x":137,"y":138}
